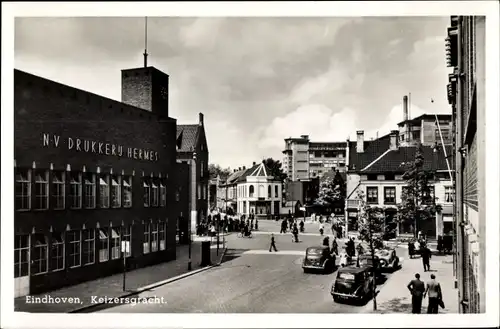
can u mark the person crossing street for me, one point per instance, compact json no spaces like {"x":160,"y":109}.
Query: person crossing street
{"x":273,"y":244}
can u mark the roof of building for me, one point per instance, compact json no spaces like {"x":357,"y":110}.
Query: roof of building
{"x":378,"y":158}
{"x":427,"y":116}
{"x":187,"y":136}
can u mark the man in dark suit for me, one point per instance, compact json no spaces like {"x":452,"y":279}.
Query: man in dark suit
{"x":417,"y":289}
{"x":426,"y":256}
{"x":273,"y":244}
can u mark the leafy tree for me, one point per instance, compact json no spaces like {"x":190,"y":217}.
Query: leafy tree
{"x":215,"y":170}
{"x":371,"y":220}
{"x":417,"y":200}
{"x":331,"y":192}
{"x":276,"y":169}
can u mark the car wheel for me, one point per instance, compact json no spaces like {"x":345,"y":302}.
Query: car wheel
{"x":336,"y":299}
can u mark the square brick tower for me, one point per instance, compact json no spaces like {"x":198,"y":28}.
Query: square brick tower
{"x":146,"y":88}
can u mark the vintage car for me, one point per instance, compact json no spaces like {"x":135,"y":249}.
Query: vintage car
{"x":353,"y":284}
{"x":319,"y":258}
{"x":388,"y":259}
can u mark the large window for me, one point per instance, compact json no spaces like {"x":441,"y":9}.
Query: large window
{"x":147,"y":192}
{"x":23,"y":189}
{"x":154,"y":238}
{"x":75,"y":249}
{"x":154,"y":194}
{"x":103,"y":245}
{"x":163,"y":194}
{"x":269,"y":191}
{"x":75,"y":190}
{"x":21,"y":255}
{"x":116,"y":199}
{"x":88,"y":247}
{"x":127,"y":236}
{"x":428,"y":196}
{"x":90,"y":193}
{"x":104,"y":191}
{"x":40,"y":256}
{"x":147,"y":238}
{"x":199,"y":192}
{"x":57,"y":252}
{"x":449,"y":194}
{"x":251,"y":191}
{"x":372,"y":194}
{"x":161,"y":235}
{"x":58,"y":189}
{"x":127,"y":191}
{"x":389,"y":195}
{"x":42,"y":190}
{"x":115,"y":243}
{"x":276,"y":191}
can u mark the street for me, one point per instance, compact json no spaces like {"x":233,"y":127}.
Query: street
{"x":251,"y":280}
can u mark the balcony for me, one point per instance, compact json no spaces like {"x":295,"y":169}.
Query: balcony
{"x":352,"y":203}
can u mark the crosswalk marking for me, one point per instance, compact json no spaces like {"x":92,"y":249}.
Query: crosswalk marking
{"x":280,"y":252}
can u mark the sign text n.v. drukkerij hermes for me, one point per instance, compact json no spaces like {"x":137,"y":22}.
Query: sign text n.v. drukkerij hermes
{"x":97,"y":147}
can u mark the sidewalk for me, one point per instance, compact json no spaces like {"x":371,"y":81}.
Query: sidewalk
{"x":112,"y":286}
{"x":394,"y":296}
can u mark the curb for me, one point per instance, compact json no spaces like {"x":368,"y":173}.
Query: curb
{"x":137,"y":291}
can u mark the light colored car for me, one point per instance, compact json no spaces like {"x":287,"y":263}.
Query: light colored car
{"x":388,"y":258}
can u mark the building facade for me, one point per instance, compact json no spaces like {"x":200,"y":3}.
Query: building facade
{"x":376,"y":168}
{"x":92,"y":176}
{"x":192,"y":149}
{"x":304,"y":160}
{"x":465,"y":47}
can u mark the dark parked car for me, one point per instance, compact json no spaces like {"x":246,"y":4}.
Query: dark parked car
{"x":353,"y":283}
{"x":388,"y":259}
{"x":319,"y":258}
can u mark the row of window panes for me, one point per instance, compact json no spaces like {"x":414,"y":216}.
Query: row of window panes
{"x":155,"y":192}
{"x":114,"y":191}
{"x":82,"y":248}
{"x":390,"y":194}
{"x":201,"y":192}
{"x":251,"y":191}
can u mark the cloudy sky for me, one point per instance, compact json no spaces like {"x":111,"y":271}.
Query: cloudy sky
{"x":257,"y":80}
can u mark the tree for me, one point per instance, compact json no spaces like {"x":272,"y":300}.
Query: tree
{"x":332,"y":192}
{"x":215,"y":170}
{"x":276,"y":169}
{"x":370,"y":221}
{"x":417,"y":200}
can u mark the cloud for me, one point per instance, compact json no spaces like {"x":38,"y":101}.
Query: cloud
{"x":317,"y":121}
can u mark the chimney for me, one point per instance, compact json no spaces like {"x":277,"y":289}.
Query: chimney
{"x":239,"y":168}
{"x":394,"y":140}
{"x":244,"y":168}
{"x":304,"y":136}
{"x":405,"y":108}
{"x":201,"y":119}
{"x":360,"y":144}
{"x":253,"y":163}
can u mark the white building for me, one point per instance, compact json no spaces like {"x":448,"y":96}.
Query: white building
{"x":376,"y":168}
{"x":252,"y":191}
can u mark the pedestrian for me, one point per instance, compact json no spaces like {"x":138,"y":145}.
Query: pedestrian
{"x":426,"y":256}
{"x":295,"y":233}
{"x":433,"y":290}
{"x":283,"y":226}
{"x":321,"y":228}
{"x":417,"y":289}
{"x":335,"y":247}
{"x":273,"y":244}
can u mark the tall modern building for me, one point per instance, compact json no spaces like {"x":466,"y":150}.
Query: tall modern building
{"x":465,"y":47}
{"x":304,"y":160}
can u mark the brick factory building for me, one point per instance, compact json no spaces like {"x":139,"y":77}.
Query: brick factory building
{"x":91,"y":173}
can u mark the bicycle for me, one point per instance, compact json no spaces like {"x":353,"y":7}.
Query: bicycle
{"x":242,"y":235}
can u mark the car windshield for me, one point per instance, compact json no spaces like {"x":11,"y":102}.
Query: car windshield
{"x":347,"y":276}
{"x":384,"y":252}
{"x":314,"y":251}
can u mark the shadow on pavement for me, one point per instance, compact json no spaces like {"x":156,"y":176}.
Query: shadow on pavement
{"x":232,"y":254}
{"x":395,"y":305}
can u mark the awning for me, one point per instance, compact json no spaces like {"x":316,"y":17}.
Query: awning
{"x":102,"y":182}
{"x":88,"y":182}
{"x":145,"y":184}
{"x":57,"y":238}
{"x":40,"y":179}
{"x":22,"y":178}
{"x":125,"y":183}
{"x":114,"y":182}
{"x":56,"y":180}
{"x":114,"y":234}
{"x":103,"y":235}
{"x":40,"y":240}
{"x":154,"y":186}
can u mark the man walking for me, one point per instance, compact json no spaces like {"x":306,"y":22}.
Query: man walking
{"x":417,"y":289}
{"x":433,"y":290}
{"x":273,"y":244}
{"x":426,"y":256}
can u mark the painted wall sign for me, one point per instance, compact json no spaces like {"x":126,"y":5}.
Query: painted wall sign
{"x":90,"y":146}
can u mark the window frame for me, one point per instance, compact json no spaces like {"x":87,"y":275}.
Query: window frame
{"x":42,"y":196}
{"x":24,"y":184}
{"x":75,"y":199}
{"x":154,"y":238}
{"x":88,"y":240}
{"x":59,"y":254}
{"x":71,"y":243}
{"x":155,"y":194}
{"x":146,"y":184}
{"x":127,"y":190}
{"x":103,"y":240}
{"x":115,"y":191}
{"x":115,"y":243}
{"x":162,"y":232}
{"x":90,"y":186}
{"x":375,"y":199}
{"x":58,"y":190}
{"x":127,"y":236}
{"x":387,"y":189}
{"x":449,"y":194}
{"x":146,"y":238}
{"x":104,"y":191}
{"x":39,"y":265}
